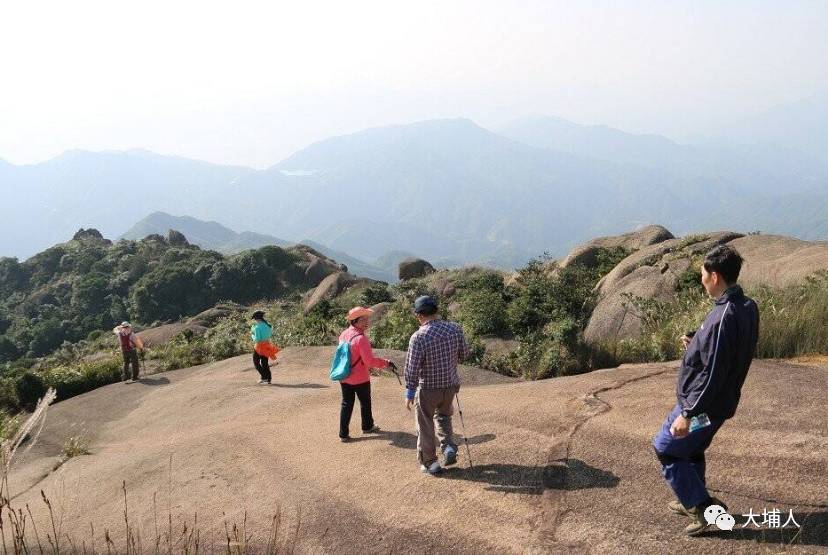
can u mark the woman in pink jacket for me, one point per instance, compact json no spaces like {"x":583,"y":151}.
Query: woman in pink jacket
{"x":358,"y":382}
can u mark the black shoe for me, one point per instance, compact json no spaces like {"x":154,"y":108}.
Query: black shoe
{"x":373,"y":430}
{"x":345,"y":439}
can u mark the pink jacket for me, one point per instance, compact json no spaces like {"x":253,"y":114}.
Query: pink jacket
{"x":362,"y":354}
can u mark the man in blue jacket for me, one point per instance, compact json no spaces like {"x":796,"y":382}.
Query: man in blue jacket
{"x":710,"y":380}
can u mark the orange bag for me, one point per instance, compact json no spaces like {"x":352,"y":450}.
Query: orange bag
{"x":266,"y":349}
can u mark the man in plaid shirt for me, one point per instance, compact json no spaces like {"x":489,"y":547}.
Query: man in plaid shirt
{"x":431,"y":380}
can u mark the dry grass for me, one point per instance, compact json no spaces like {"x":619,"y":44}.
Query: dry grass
{"x":75,"y":446}
{"x":22,"y":534}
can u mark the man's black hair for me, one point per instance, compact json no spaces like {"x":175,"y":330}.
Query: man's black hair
{"x":427,"y":311}
{"x":726,"y":261}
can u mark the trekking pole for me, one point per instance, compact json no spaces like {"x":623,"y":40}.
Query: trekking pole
{"x":463,"y":425}
{"x":393,"y":368}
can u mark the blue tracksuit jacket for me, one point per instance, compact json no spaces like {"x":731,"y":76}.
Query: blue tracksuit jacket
{"x":718,"y":357}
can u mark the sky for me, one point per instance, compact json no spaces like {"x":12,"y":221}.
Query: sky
{"x":250,"y":83}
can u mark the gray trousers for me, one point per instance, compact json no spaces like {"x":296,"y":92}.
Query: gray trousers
{"x":434,"y":407}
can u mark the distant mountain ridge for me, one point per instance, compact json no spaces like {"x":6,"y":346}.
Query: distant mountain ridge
{"x":448,"y":190}
{"x":207,"y":235}
{"x":214,"y":236}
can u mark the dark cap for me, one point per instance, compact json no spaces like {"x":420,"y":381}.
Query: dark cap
{"x":258,"y":315}
{"x":425,"y":305}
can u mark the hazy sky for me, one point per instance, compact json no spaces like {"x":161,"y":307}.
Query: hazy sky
{"x":252,"y":82}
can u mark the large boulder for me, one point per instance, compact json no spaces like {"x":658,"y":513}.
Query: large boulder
{"x":654,"y":272}
{"x":90,"y":233}
{"x":333,"y":286}
{"x":197,"y":325}
{"x":412,"y":268}
{"x":586,"y":254}
{"x":318,"y":266}
{"x":177,"y":239}
{"x":779,"y":261}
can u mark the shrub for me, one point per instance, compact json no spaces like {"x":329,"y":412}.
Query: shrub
{"x":70,"y":381}
{"x":375,"y":294}
{"x":394,"y":331}
{"x":8,"y":425}
{"x":30,"y":388}
{"x":75,"y":446}
{"x":482,"y":312}
{"x":9,"y":400}
{"x":663,"y":322}
{"x":228,"y":338}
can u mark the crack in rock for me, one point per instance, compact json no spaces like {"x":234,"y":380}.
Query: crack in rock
{"x":552,"y":516}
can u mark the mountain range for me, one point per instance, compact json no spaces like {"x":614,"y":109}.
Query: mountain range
{"x":214,"y":236}
{"x":446,"y":190}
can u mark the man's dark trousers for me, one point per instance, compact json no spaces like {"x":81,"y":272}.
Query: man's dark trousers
{"x":363,"y":391}
{"x":682,"y":459}
{"x":130,"y":357}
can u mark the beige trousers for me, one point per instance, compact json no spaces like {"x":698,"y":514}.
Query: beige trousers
{"x":434,"y":407}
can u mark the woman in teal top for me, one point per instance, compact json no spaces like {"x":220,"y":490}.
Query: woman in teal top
{"x":261,"y":330}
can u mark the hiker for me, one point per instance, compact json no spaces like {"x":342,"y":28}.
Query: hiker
{"x":716,"y":361}
{"x":358,"y":382}
{"x":432,"y":381}
{"x":130,"y":345}
{"x":263,"y":349}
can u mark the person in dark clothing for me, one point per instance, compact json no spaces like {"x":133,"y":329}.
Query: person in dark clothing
{"x":716,"y":361}
{"x":130,"y":344}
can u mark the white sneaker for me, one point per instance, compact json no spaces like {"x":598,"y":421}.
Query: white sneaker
{"x":264,"y":382}
{"x":434,"y":469}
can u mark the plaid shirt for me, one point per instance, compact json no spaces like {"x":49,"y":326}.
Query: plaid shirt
{"x":434,"y":352}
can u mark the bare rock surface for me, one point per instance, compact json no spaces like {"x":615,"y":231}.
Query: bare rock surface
{"x":560,"y":466}
{"x":411,"y":268}
{"x":333,"y":286}
{"x":586,"y":254}
{"x":779,"y":261}
{"x":651,"y":273}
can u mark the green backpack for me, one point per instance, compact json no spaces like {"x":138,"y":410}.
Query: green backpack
{"x":341,"y":363}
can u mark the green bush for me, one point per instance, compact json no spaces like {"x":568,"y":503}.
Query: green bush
{"x":663,"y":322}
{"x":70,"y":381}
{"x":8,"y":425}
{"x":9,"y":401}
{"x":482,"y":312}
{"x":376,"y":294}
{"x":395,"y":329}
{"x":30,"y":388}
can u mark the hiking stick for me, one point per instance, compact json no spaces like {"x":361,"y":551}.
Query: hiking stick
{"x":463,"y":425}
{"x":395,"y":373}
{"x":393,"y":368}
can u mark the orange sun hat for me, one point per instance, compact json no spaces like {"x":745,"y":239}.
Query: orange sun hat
{"x":358,"y":312}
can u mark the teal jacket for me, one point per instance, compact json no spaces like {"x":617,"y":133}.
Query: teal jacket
{"x":260,"y":332}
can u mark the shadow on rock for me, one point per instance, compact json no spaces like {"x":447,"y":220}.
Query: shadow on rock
{"x":405,"y":440}
{"x":813,"y":531}
{"x":570,"y":474}
{"x":153,"y":381}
